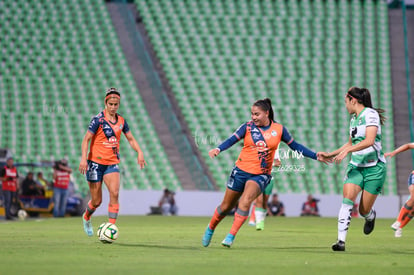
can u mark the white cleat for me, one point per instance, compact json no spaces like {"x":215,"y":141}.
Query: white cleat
{"x":395,"y":225}
{"x":398,"y":233}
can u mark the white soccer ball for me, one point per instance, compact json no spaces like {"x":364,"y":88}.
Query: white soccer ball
{"x":22,"y":214}
{"x":107,"y":232}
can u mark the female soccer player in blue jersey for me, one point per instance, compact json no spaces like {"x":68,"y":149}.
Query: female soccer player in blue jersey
{"x":251,"y":174}
{"x":101,"y":164}
{"x":366,"y":171}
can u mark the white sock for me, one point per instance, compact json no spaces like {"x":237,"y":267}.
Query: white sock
{"x":260,"y":214}
{"x":344,"y":219}
{"x":370,"y":216}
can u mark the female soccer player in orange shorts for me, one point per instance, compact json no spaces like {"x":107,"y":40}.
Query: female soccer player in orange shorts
{"x":252,"y":170}
{"x":101,"y":165}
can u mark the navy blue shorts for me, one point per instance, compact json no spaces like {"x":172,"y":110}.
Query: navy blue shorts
{"x":96,"y":171}
{"x":238,"y":179}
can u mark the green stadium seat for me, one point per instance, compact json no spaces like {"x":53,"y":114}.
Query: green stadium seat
{"x":44,"y":73}
{"x":299,"y":53}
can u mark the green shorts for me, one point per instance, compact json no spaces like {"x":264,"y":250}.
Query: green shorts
{"x":269,"y":188}
{"x":370,"y":179}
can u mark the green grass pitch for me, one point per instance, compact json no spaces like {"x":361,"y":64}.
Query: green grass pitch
{"x":172,"y":245}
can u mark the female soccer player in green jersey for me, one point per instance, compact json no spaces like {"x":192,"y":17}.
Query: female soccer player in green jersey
{"x":366,"y":171}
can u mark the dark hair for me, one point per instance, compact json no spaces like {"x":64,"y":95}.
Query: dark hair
{"x":363,"y":96}
{"x":111,"y":91}
{"x":265,"y":105}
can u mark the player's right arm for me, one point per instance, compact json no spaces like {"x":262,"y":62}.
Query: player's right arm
{"x":83,"y":165}
{"x":92,"y":129}
{"x":230,"y":141}
{"x":339,"y":150}
{"x":400,"y":149}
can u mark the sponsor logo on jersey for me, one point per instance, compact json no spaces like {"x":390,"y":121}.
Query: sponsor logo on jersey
{"x":113,"y":139}
{"x":354,"y":131}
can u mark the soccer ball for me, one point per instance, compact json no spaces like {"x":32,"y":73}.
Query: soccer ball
{"x":107,"y":232}
{"x":22,"y":214}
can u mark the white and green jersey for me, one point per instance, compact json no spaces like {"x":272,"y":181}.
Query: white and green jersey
{"x":357,"y":129}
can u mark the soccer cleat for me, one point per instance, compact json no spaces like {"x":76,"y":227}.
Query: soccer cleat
{"x":87,"y":226}
{"x":398,"y":233}
{"x":369,"y":224}
{"x":252,"y":223}
{"x":228,"y":241}
{"x":338,"y":246}
{"x":208,"y":234}
{"x":260,"y":226}
{"x":395,"y":225}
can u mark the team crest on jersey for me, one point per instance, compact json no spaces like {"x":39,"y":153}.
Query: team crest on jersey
{"x":121,"y":126}
{"x":274,"y":133}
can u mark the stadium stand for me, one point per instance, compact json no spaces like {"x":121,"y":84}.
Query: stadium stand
{"x":58,"y":58}
{"x":220,"y":56}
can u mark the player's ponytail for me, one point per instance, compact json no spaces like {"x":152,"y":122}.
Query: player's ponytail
{"x":363,"y":96}
{"x":265,"y":105}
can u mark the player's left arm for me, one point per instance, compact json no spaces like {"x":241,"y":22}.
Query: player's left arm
{"x":134,"y":144}
{"x":288,"y":139}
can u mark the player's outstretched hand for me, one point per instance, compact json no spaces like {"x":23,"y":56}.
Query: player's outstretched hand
{"x":338,"y":158}
{"x":389,"y":154}
{"x":141,"y":161}
{"x":214,"y":152}
{"x":277,"y":163}
{"x":324,"y":157}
